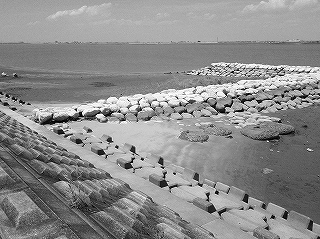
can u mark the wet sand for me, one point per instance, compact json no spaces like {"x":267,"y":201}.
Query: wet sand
{"x":293,"y":183}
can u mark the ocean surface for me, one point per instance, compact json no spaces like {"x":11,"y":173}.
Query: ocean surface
{"x":157,"y":58}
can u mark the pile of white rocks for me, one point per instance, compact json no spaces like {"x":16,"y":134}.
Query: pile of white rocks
{"x":254,"y":96}
{"x":224,"y":69}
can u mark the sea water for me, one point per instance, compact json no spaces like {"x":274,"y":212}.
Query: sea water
{"x":150,"y":58}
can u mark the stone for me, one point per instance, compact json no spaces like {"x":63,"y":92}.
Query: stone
{"x":259,"y":133}
{"x":176,"y":116}
{"x":90,"y":112}
{"x":220,"y":108}
{"x":194,"y":136}
{"x":123,"y":103}
{"x":21,"y":210}
{"x":186,"y":116}
{"x":237,"y":107}
{"x":206,"y":113}
{"x":212,"y":110}
{"x":167,"y":111}
{"x":180,"y":109}
{"x":197,"y":114}
{"x":60,"y":116}
{"x":212,"y":102}
{"x":106,"y":111}
{"x":130,"y":117}
{"x":280,"y":127}
{"x":134,"y":109}
{"x":44,"y":117}
{"x":119,"y":116}
{"x":144,"y":116}
{"x":212,"y":129}
{"x":194,"y":107}
{"x":252,"y":103}
{"x":174,"y":103}
{"x":227,"y":101}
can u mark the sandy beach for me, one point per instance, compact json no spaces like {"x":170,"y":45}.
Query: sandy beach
{"x":293,"y":180}
{"x":292,"y":183}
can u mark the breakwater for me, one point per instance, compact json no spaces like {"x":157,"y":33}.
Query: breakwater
{"x":251,"y":70}
{"x":295,"y":90}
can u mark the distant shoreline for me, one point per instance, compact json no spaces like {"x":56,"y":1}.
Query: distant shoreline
{"x":177,"y":42}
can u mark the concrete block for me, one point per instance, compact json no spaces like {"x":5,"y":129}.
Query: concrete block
{"x":138,"y":163}
{"x":237,"y":193}
{"x":49,"y":150}
{"x":154,"y":159}
{"x":128,"y":148}
{"x":276,"y":210}
{"x":67,"y":160}
{"x":42,"y":168}
{"x":255,"y":202}
{"x":239,"y":222}
{"x":204,"y":205}
{"x":222,"y":187}
{"x":285,"y":232}
{"x":252,"y":216}
{"x":55,"y":158}
{"x":57,"y":130}
{"x":183,"y":194}
{"x":222,"y":204}
{"x":97,"y":150}
{"x":190,"y":175}
{"x":87,"y":129}
{"x":16,"y":149}
{"x":209,"y":183}
{"x":174,"y":180}
{"x":316,"y":228}
{"x":299,"y":221}
{"x":170,"y":231}
{"x":158,"y":180}
{"x":106,"y":138}
{"x":212,"y":190}
{"x":98,"y":188}
{"x":71,"y":192}
{"x":75,"y":139}
{"x":262,"y":233}
{"x":73,"y":171}
{"x":119,"y":230}
{"x":124,"y":163}
{"x":5,"y":179}
{"x":126,"y":218}
{"x":147,"y":171}
{"x":21,"y":210}
{"x":222,"y":229}
{"x":197,"y":191}
{"x":89,"y":191}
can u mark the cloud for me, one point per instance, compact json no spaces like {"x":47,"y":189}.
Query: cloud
{"x":33,"y":23}
{"x":161,"y":15}
{"x":84,"y":10}
{"x":205,"y":17}
{"x":278,"y":5}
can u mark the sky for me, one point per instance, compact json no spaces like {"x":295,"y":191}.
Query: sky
{"x":158,"y":20}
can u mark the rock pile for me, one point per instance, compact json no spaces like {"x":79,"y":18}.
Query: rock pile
{"x":251,"y":70}
{"x":268,"y":95}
